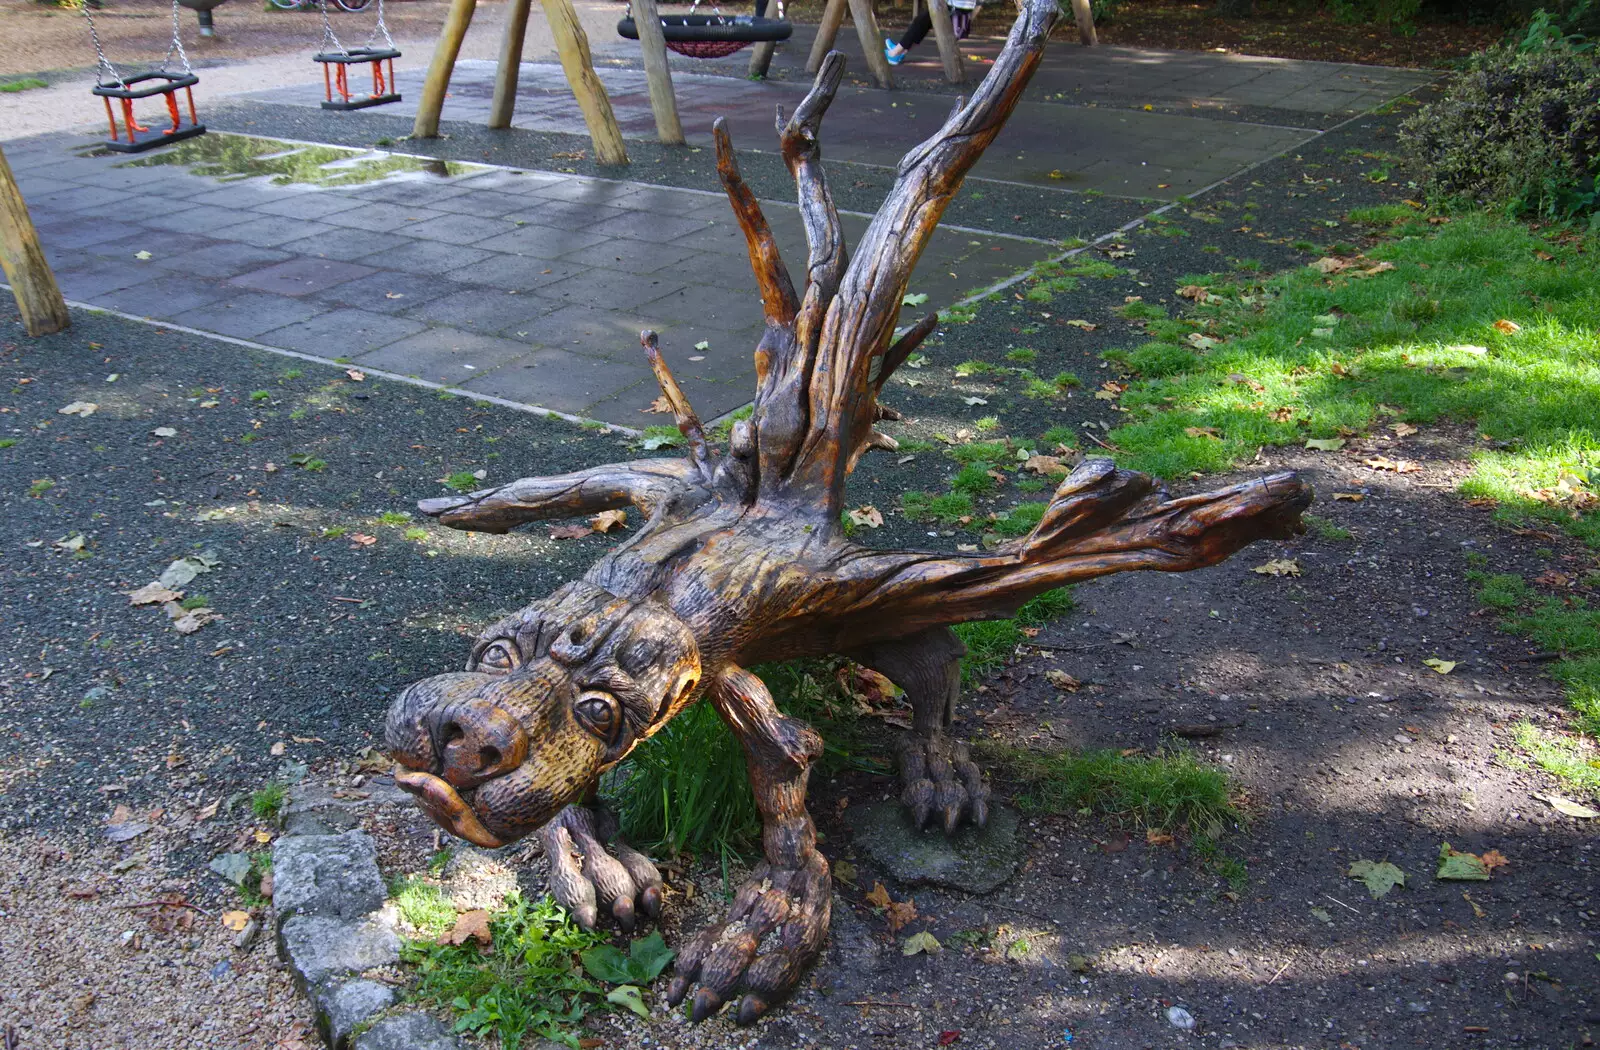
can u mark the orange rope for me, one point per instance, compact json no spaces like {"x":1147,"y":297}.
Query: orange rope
{"x":111,"y":117}
{"x":172,"y":109}
{"x":327,"y":81}
{"x":127,"y":119}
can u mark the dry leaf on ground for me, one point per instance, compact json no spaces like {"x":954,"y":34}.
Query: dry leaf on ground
{"x":570,"y":532}
{"x":607,"y":520}
{"x":235,"y":920}
{"x":152,"y":593}
{"x":1062,"y":681}
{"x":1399,"y":466}
{"x":1279,"y":567}
{"x":867,"y":515}
{"x":470,"y":926}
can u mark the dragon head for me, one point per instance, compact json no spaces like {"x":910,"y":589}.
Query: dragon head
{"x":553,"y":696}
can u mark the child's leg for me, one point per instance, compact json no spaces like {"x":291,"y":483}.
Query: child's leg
{"x":917,"y":30}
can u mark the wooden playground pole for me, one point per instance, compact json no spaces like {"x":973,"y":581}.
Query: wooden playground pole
{"x":572,"y":43}
{"x":761,"y":59}
{"x":505,"y":77}
{"x":22,"y":258}
{"x":871,"y":41}
{"x":657,"y":72}
{"x":827,"y":32}
{"x":1084,"y":14}
{"x":944,"y":34}
{"x":439,"y":70}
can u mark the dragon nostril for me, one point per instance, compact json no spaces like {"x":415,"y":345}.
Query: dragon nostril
{"x":452,"y":732}
{"x":488,"y":757}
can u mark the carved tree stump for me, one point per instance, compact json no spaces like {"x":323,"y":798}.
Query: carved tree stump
{"x":741,"y":559}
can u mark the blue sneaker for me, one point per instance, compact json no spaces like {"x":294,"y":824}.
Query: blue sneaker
{"x":893,"y":52}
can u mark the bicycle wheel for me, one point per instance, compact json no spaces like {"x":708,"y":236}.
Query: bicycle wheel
{"x":353,"y":5}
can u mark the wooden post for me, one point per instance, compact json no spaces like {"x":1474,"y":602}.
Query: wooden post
{"x":439,"y":70}
{"x":572,"y":43}
{"x":657,"y":72}
{"x":871,"y":41}
{"x":944,"y":34}
{"x":761,"y":59}
{"x":1085,"y":17}
{"x":505,"y":76}
{"x":22,"y":258}
{"x":827,"y":32}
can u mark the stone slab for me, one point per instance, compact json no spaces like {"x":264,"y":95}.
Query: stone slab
{"x":326,"y":875}
{"x":411,"y":1030}
{"x":319,"y":949}
{"x":340,"y":1008}
{"x":971,"y":860}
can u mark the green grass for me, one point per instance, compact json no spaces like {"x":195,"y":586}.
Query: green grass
{"x":394,"y":517}
{"x":985,"y":452}
{"x":1170,"y":791}
{"x":11,"y":87}
{"x":1142,"y":311}
{"x":1324,"y":528}
{"x":268,"y":802}
{"x":1567,"y":625}
{"x":947,"y":509}
{"x":1019,"y":520}
{"x":260,"y":395}
{"x":40,"y":486}
{"x":462,"y":481}
{"x":1155,"y":360}
{"x":7,"y":442}
{"x":423,"y":904}
{"x":1417,"y":343}
{"x":1022,"y":355}
{"x":530,"y":981}
{"x":195,"y":601}
{"x":990,"y":643}
{"x":973,"y":480}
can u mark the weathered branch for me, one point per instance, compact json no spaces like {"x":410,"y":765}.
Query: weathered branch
{"x":802,"y":152}
{"x":1101,"y":520}
{"x":777,"y":291}
{"x":840,"y":393}
{"x":688,"y":423}
{"x":648,"y":485}
{"x":902,"y":349}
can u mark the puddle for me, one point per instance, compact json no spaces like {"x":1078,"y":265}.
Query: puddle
{"x":231,"y":158}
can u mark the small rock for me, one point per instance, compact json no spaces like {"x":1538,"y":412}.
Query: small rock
{"x":317,"y":947}
{"x":1401,"y":738}
{"x":342,"y":1006}
{"x":235,"y":867}
{"x":970,"y":860}
{"x":334,"y":875}
{"x":221,"y":970}
{"x":408,"y":1031}
{"x":247,"y":936}
{"x":1178,"y":1017}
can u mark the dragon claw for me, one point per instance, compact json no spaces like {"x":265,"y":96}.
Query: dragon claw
{"x":591,"y":869}
{"x":937,"y":775}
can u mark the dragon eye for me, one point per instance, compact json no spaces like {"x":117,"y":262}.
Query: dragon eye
{"x":597,"y":712}
{"x":499,"y":658}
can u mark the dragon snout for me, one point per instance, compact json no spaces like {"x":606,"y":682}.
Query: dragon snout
{"x":474,"y":741}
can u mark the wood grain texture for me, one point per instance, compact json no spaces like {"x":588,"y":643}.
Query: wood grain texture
{"x":32,"y":282}
{"x":741,"y":559}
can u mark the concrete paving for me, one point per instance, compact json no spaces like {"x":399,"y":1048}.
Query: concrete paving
{"x":532,"y":286}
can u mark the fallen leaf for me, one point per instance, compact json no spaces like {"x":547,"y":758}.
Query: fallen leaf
{"x":78,"y":408}
{"x":1461,"y":867}
{"x":952,"y":1036}
{"x":1154,"y":837}
{"x":1279,"y":567}
{"x":660,"y":404}
{"x":570,"y":532}
{"x":278,"y":748}
{"x":129,"y":830}
{"x":1380,"y":876}
{"x":1201,"y":342}
{"x":607,"y":520}
{"x":628,"y":997}
{"x":236,"y":920}
{"x":1477,"y":912}
{"x":1325,"y":444}
{"x":702,"y":345}
{"x":1568,"y":807}
{"x":1062,"y":681}
{"x":1507,"y":327}
{"x":976,"y":400}
{"x":922,"y":942}
{"x":1468,"y":348}
{"x":1193,"y":291}
{"x":152,"y":593}
{"x":141,"y":255}
{"x":1493,"y":859}
{"x":914,"y":299}
{"x":1048,"y":465}
{"x":164,"y":432}
{"x":845,"y":872}
{"x":1442,"y":666}
{"x":867,"y":515}
{"x":70,"y":544}
{"x":1330,"y":265}
{"x":1353,"y":497}
{"x":1402,"y":429}
{"x":900,"y":914}
{"x":879,"y":897}
{"x":1085,"y":325}
{"x":1203,"y":432}
{"x":1321,"y":915}
{"x":1399,"y":466}
{"x":470,"y":926}
{"x":361,"y":539}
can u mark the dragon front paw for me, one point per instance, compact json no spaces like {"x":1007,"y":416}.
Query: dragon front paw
{"x":592,"y":868}
{"x":773,"y":931}
{"x":937,"y":775}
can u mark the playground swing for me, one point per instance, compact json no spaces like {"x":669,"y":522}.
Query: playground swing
{"x":715,"y":35}
{"x":336,"y":57}
{"x":110,"y":84}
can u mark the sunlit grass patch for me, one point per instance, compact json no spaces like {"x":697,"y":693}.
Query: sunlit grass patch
{"x":1168,"y":791}
{"x":1572,"y":759}
{"x":1479,"y":321}
{"x":423,"y":905}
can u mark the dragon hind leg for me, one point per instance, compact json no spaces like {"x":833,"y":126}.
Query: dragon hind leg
{"x":937,"y":775}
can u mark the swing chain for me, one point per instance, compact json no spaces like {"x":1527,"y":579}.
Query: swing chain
{"x":382,"y":27}
{"x":176,"y":46}
{"x":106,"y":68}
{"x":328,"y":38}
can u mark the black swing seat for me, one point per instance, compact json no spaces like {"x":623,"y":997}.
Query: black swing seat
{"x":712,"y":36}
{"x":140,"y":138}
{"x":357,"y":56}
{"x":167,"y":82}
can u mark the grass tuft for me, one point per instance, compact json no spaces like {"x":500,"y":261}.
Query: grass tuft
{"x":268,"y":802}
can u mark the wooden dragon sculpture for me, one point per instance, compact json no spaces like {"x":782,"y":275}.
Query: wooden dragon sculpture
{"x":742,"y":559}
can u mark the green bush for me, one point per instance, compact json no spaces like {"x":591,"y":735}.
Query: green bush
{"x":1519,"y":129}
